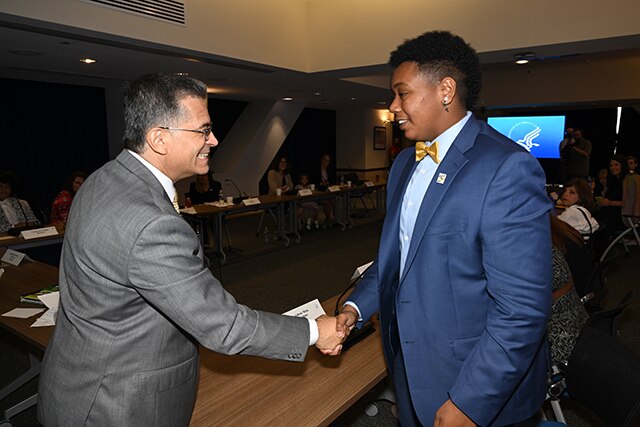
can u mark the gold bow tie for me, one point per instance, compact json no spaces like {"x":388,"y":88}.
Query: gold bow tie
{"x":423,"y":150}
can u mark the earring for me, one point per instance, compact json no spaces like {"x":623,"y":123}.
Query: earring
{"x":445,"y":104}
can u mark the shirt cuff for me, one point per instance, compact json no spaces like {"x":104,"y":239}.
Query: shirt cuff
{"x":313,"y":331}
{"x":353,"y":304}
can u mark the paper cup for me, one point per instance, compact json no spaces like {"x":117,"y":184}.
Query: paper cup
{"x":348,"y":183}
{"x":278,"y":191}
{"x":229,"y":200}
{"x":312,"y":187}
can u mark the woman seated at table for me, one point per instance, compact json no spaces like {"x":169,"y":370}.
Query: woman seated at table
{"x":577,"y":200}
{"x":279,"y":176}
{"x":204,"y":189}
{"x":14,"y":212}
{"x":62,"y":203}
{"x":324,"y":177}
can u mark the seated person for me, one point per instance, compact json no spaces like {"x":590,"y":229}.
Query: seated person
{"x":279,"y":176}
{"x":577,"y":199}
{"x":204,"y":189}
{"x":62,"y":203}
{"x":307,"y":211}
{"x":323,"y":178}
{"x":14,"y":212}
{"x":568,"y":315}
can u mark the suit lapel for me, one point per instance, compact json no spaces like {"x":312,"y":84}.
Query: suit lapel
{"x":451,"y":165}
{"x":389,"y":243}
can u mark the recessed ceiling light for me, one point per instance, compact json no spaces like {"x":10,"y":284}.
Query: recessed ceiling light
{"x":317,"y":93}
{"x":87,"y":60}
{"x":524,"y":57}
{"x":287,"y":98}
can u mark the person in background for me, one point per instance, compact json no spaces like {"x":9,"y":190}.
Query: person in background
{"x":204,"y":189}
{"x":611,"y":205}
{"x":578,"y":201}
{"x":136,"y":297}
{"x":632,"y":164}
{"x":15,"y":212}
{"x":568,"y":315}
{"x":600,"y":188}
{"x":62,"y":203}
{"x":580,"y":155}
{"x":394,"y":149}
{"x":565,"y":155}
{"x":463,"y":303}
{"x":307,"y":210}
{"x":325,"y":176}
{"x":279,"y":176}
{"x":630,"y":197}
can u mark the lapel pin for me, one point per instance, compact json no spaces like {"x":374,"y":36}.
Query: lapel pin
{"x":441,"y":178}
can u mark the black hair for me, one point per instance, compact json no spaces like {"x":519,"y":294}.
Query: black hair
{"x":68,"y":185}
{"x":154,"y":100}
{"x":7,"y":177}
{"x":440,"y":54}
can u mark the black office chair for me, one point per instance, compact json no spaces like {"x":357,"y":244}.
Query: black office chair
{"x":605,"y":375}
{"x":607,"y":320}
{"x":361,"y":194}
{"x":595,"y":290}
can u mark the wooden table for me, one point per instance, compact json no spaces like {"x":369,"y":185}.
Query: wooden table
{"x":250,"y":391}
{"x":18,"y":243}
{"x":233,"y":390}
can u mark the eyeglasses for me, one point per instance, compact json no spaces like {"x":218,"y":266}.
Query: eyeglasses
{"x":206,"y":132}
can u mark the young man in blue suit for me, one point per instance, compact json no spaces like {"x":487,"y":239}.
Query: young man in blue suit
{"x":462,"y":279}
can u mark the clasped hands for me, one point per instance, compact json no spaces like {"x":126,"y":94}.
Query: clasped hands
{"x":334,"y":330}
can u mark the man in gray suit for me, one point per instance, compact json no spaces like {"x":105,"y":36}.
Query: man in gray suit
{"x":135,"y":295}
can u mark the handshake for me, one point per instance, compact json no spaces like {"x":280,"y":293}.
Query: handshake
{"x":334,"y":330}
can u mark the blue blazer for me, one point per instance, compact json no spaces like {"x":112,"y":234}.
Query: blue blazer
{"x":475,"y":295}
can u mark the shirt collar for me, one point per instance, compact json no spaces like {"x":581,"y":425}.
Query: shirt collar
{"x":165,"y":181}
{"x":445,"y":139}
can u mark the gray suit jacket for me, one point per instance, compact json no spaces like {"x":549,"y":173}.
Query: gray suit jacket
{"x":135,"y":301}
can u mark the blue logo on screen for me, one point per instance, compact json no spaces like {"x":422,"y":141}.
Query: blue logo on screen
{"x":540,"y":135}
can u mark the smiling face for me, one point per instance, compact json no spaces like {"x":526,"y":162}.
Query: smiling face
{"x":187,"y":153}
{"x":570,"y":196}
{"x":417,"y":103}
{"x":615,"y":167}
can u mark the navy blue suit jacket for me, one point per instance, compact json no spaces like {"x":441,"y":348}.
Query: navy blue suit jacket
{"x":475,"y":295}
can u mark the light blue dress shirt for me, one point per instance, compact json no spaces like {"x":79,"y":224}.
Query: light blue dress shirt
{"x":418,"y":185}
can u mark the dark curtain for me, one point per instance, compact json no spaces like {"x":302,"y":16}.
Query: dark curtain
{"x":48,"y":131}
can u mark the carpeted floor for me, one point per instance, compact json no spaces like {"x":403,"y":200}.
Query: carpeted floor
{"x":267,"y":275}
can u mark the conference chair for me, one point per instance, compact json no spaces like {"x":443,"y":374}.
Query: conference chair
{"x":604,"y":375}
{"x":630,"y":217}
{"x":608,"y":320}
{"x":360,"y":194}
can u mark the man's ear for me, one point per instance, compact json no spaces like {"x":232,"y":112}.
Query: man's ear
{"x":447,"y":90}
{"x":155,"y":140}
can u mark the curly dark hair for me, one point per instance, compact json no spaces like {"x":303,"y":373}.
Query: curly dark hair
{"x":440,"y":54}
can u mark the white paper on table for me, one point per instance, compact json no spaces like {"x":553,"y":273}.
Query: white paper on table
{"x":23,"y":313}
{"x":360,"y":270}
{"x":188,"y":211}
{"x":311,"y":310}
{"x":1,"y":271}
{"x":51,"y":300}
{"x":47,"y":319}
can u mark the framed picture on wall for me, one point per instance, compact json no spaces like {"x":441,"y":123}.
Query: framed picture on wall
{"x":379,"y":138}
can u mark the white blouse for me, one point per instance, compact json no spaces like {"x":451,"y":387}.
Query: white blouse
{"x":580,"y":218}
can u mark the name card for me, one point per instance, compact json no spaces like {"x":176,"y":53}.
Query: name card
{"x":305,"y":192}
{"x":13,"y":257}
{"x":251,"y":201}
{"x":311,"y":310}
{"x":334,"y":188}
{"x":368,"y":184}
{"x":39,"y":232}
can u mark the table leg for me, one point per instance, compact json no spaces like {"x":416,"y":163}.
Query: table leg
{"x":34,"y":371}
